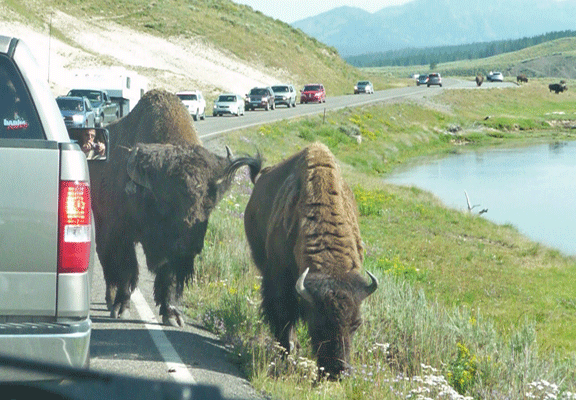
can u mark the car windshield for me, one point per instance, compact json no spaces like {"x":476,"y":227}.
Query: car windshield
{"x":70,"y":104}
{"x":227,"y":98}
{"x":311,"y":88}
{"x":280,"y":88}
{"x":363,"y":83}
{"x":187,"y":97}
{"x":259,"y":92}
{"x":94,"y":96}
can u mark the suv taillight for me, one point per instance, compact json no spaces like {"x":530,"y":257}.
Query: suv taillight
{"x":74,"y":227}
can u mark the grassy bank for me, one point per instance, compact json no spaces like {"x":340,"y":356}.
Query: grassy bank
{"x":463,"y":303}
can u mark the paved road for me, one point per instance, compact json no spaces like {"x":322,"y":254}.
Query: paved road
{"x":139,"y":346}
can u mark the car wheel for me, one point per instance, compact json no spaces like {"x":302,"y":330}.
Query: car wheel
{"x":214,"y":115}
{"x":203,"y":116}
{"x":195,"y":116}
{"x":440,"y":85}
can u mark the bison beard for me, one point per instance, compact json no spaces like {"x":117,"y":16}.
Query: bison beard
{"x":160,"y":195}
{"x":302,"y":227}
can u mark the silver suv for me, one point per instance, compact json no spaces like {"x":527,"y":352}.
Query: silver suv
{"x":285,"y":94}
{"x":46,"y":227}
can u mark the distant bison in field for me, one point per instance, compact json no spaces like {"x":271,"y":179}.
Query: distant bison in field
{"x":521,"y":78}
{"x":558,"y":87}
{"x":301,"y":224}
{"x":158,"y":188}
{"x":479,"y":79}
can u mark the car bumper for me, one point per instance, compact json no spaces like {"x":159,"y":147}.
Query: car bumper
{"x":65,"y":343}
{"x":260,"y":104}
{"x":221,"y":111}
{"x":310,"y":100}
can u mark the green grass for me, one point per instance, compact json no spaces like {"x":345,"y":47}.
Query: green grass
{"x":470,"y":302}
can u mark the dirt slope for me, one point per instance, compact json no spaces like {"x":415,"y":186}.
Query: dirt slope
{"x":176,"y":64}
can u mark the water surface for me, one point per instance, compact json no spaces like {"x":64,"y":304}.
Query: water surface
{"x":532,"y":188}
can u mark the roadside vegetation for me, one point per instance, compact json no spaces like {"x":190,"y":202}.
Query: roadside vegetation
{"x":464,"y":308}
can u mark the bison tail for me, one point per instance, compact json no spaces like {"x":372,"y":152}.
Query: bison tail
{"x":254,"y":163}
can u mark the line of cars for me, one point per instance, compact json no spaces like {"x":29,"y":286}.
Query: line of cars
{"x":87,"y":108}
{"x":264,"y":97}
{"x":433,"y":78}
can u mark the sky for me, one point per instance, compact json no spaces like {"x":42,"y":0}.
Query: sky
{"x":295,"y":10}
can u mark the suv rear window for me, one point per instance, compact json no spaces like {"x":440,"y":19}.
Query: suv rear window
{"x":187,"y":97}
{"x":18,"y":117}
{"x":312,"y":88}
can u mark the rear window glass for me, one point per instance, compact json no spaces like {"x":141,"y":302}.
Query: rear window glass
{"x":18,"y":116}
{"x":187,"y":97}
{"x":280,"y":88}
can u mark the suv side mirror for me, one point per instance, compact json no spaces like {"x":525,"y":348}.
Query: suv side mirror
{"x":94,"y":142}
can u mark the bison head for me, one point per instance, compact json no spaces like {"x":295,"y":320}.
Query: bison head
{"x":332,"y":313}
{"x":171,"y":193}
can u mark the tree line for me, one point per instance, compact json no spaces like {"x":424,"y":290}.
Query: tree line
{"x":442,"y":54}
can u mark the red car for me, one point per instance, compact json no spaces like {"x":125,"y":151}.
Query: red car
{"x":313,"y":93}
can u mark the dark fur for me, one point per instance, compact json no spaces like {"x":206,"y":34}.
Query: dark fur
{"x":557,"y":87}
{"x":479,"y":79}
{"x":521,"y":78}
{"x":302,"y":215}
{"x":158,"y":188}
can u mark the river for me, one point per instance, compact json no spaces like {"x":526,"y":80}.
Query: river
{"x":532,"y":188}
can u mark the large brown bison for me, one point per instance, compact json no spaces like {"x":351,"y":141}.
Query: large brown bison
{"x":522,"y":78}
{"x":158,"y":188}
{"x":302,"y":227}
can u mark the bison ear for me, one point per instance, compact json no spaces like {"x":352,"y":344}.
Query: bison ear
{"x":134,"y":169}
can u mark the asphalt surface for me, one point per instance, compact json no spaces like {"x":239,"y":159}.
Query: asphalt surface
{"x":138,"y":345}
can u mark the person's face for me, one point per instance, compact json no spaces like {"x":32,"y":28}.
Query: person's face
{"x":89,"y":136}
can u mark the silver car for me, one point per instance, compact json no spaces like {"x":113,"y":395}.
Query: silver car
{"x":228,"y":103}
{"x":46,"y":227}
{"x":364,"y":87}
{"x":285,"y":94}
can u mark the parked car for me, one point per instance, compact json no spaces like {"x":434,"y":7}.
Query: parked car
{"x":261,"y":97}
{"x":228,"y":103}
{"x":76,"y":111}
{"x":47,"y":233}
{"x":194,"y":102}
{"x":104,"y":109}
{"x":284,"y":94}
{"x":495,"y":77}
{"x":422,"y":80}
{"x":434,"y":79}
{"x":364,"y":87}
{"x":313,"y":93}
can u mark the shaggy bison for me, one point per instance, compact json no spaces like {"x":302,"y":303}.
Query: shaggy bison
{"x":557,"y":87}
{"x":302,"y":227}
{"x":521,"y":78}
{"x":479,"y":79}
{"x":158,"y":188}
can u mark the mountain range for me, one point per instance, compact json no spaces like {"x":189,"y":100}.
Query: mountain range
{"x":432,"y":23}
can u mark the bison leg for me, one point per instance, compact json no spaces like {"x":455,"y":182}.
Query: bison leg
{"x":280,"y":305}
{"x":120,"y":268}
{"x":166,"y":292}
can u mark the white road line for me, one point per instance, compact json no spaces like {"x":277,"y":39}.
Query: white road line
{"x":178,"y":370}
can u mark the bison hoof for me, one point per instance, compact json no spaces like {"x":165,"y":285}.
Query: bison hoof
{"x":172,"y":317}
{"x":117,"y":311}
{"x":173,"y":320}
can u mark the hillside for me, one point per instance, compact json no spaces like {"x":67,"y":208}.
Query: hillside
{"x":553,"y":59}
{"x":431,"y":23}
{"x":213,"y":46}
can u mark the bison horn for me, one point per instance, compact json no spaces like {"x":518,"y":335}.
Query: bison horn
{"x":371,"y":288}
{"x":229,"y":153}
{"x":301,"y":290}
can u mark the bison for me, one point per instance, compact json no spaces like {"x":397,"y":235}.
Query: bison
{"x":301,"y":223}
{"x":521,"y":78}
{"x":158,"y":188}
{"x":557,"y":87}
{"x":479,"y":79}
